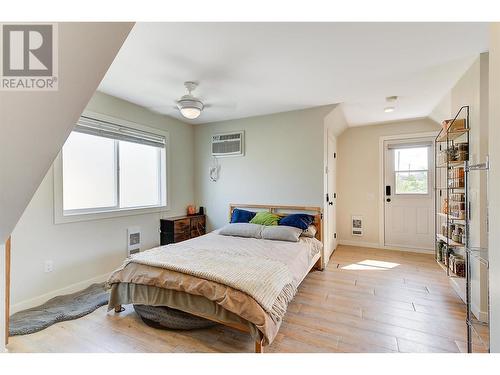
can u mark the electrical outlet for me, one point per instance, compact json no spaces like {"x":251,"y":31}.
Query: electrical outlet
{"x":48,"y":266}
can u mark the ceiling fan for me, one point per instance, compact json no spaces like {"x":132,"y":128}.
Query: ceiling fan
{"x":189,"y":105}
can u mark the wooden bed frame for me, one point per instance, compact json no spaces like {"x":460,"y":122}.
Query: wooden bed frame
{"x":278,"y":210}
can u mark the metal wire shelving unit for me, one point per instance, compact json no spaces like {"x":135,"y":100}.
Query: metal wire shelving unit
{"x":477,"y":331}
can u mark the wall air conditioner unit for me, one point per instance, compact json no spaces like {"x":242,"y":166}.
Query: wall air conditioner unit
{"x":228,"y":144}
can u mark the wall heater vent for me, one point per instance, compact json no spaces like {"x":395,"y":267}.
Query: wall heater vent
{"x":133,"y":240}
{"x":357,"y":225}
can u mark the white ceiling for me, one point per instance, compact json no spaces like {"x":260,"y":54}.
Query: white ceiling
{"x":248,"y":69}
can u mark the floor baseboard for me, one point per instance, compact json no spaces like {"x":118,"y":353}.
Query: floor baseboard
{"x":375,"y":245}
{"x":36,"y":301}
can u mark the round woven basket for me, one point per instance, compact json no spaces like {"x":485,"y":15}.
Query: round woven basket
{"x":166,"y":318}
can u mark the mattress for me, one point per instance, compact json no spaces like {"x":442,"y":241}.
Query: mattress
{"x":149,"y":285}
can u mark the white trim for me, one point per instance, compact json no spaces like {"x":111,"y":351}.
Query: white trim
{"x":381,"y":158}
{"x":375,"y":245}
{"x":36,"y":301}
{"x":329,"y":243}
{"x":325,"y":234}
{"x":59,"y":218}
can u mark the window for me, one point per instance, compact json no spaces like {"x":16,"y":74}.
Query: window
{"x":411,"y":170}
{"x":108,"y":167}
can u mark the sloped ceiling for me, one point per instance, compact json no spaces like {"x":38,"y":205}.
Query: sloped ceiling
{"x":35,"y":124}
{"x":249,"y":69}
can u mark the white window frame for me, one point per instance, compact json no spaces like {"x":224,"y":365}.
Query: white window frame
{"x":69,"y":216}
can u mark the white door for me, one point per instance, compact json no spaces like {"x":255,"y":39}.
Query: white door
{"x":408,"y":195}
{"x":332,"y":195}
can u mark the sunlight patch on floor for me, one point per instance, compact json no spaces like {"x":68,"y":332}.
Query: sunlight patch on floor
{"x":371,"y":265}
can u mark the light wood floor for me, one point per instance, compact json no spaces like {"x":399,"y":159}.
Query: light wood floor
{"x":367,"y":300}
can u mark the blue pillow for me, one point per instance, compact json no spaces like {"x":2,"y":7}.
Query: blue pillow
{"x":301,"y":221}
{"x":242,"y":216}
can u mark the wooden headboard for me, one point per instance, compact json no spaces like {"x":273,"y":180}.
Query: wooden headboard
{"x":317,"y":212}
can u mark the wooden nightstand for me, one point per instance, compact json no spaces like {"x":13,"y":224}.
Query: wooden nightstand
{"x":181,"y":228}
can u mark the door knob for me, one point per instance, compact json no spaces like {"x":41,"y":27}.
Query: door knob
{"x":330,"y":203}
{"x":388,"y":199}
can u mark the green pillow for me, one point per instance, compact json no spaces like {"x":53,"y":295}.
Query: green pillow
{"x":265,"y":218}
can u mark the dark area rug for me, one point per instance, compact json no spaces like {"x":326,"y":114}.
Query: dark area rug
{"x":59,"y":309}
{"x":163,"y":317}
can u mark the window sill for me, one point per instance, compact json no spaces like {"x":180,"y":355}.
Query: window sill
{"x":59,"y":218}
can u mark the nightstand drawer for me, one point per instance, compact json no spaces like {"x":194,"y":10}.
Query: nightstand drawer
{"x":178,"y":237}
{"x":198,"y":223}
{"x":197,"y":233}
{"x":182,"y":226}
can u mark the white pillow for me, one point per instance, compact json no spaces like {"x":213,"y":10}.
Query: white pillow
{"x":281,"y":233}
{"x":310,"y":231}
{"x":247,"y":230}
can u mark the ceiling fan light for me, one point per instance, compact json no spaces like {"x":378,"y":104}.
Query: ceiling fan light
{"x":190,"y":107}
{"x":190,"y":113}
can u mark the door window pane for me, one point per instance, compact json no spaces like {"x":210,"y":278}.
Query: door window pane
{"x":411,"y":182}
{"x":411,"y":159}
{"x":411,"y":167}
{"x":89,"y":172}
{"x":139,"y":175}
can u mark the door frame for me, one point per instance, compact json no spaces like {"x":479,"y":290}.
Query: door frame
{"x":327,"y":243}
{"x":381,"y":192}
{"x":331,"y":191}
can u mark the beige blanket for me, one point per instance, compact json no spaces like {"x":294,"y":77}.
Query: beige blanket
{"x":267,"y":281}
{"x":142,"y":284}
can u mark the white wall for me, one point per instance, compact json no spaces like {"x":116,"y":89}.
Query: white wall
{"x":467,"y":91}
{"x":472,"y":90}
{"x":89,"y":250}
{"x":40,"y":121}
{"x":494,"y":186}
{"x":283,"y":163}
{"x":358,"y":176}
{"x":442,"y":109}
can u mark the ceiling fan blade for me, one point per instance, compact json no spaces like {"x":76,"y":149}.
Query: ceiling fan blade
{"x":226,"y":105}
{"x":165,"y":108}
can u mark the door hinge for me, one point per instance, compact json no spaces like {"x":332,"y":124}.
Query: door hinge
{"x":335,"y":155}
{"x":334,"y":195}
{"x":335,"y":235}
{"x":327,"y":197}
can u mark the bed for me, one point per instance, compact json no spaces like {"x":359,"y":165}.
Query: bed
{"x":260,"y":276}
